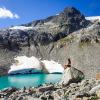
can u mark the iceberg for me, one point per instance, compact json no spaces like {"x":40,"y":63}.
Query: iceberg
{"x":25,"y":64}
{"x":52,"y":66}
{"x":32,"y":64}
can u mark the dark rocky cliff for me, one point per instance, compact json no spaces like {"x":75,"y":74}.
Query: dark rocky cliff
{"x":58,"y":37}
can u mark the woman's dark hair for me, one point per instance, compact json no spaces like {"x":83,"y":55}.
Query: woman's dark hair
{"x":69,"y":61}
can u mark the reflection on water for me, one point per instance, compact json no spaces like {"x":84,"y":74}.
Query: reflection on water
{"x":28,"y":80}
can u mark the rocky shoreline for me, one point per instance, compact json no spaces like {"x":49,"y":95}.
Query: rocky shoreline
{"x":87,"y":89}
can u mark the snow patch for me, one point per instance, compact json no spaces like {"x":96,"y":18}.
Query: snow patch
{"x":93,"y":18}
{"x":23,"y":63}
{"x":57,"y":14}
{"x":21,"y":28}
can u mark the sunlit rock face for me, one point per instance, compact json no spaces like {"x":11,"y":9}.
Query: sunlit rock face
{"x":32,"y":64}
{"x":73,"y":75}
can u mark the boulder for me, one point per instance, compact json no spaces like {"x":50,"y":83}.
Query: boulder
{"x":94,"y":89}
{"x":46,"y":88}
{"x":98,"y":94}
{"x":8,"y":91}
{"x":71,"y":75}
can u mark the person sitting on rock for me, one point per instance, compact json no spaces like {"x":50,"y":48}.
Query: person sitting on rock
{"x":71,"y":74}
{"x":68,"y":65}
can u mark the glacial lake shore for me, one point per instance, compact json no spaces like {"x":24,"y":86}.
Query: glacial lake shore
{"x":28,"y":80}
{"x":88,"y":89}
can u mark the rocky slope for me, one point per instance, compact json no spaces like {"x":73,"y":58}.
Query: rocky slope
{"x":85,"y":90}
{"x":58,"y":37}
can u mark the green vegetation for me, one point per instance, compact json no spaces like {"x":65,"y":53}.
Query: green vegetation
{"x":84,"y":43}
{"x":67,"y":39}
{"x":94,"y":98}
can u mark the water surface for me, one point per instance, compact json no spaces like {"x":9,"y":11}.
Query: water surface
{"x":28,"y":80}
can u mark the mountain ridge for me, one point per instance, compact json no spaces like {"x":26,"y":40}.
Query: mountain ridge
{"x":69,"y":35}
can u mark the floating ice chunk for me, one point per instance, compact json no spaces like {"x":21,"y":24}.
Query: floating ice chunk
{"x":23,"y":63}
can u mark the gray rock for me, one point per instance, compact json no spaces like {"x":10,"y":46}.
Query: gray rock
{"x":94,"y":89}
{"x":71,"y":75}
{"x":46,"y":88}
{"x":73,"y":85}
{"x":73,"y":91}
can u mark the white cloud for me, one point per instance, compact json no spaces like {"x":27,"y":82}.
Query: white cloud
{"x":5,"y":13}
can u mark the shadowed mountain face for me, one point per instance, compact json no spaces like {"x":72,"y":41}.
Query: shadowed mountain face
{"x":43,"y":31}
{"x":64,"y":23}
{"x":58,"y":37}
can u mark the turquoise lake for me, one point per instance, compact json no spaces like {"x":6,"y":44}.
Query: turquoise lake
{"x":28,"y":80}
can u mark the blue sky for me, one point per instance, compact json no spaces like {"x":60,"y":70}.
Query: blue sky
{"x":24,"y":11}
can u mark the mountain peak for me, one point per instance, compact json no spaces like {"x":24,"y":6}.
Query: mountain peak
{"x":70,"y":12}
{"x":50,"y":29}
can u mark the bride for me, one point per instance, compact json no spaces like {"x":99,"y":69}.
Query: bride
{"x":71,"y":74}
